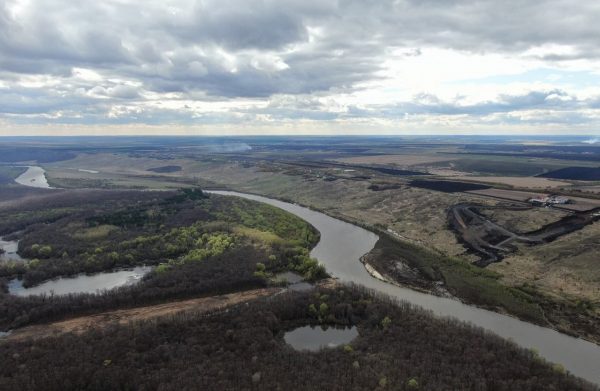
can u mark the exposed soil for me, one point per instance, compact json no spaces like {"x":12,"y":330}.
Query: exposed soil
{"x":493,"y":241}
{"x":81,"y":324}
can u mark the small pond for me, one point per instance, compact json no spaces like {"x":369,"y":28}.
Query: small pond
{"x":10,"y":248}
{"x":316,"y":338}
{"x":82,"y":283}
{"x":296,"y":281}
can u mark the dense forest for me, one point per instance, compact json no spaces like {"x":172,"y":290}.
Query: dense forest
{"x":165,"y":229}
{"x":399,"y":347}
{"x":200,"y":245}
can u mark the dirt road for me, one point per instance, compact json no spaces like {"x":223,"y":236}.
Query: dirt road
{"x":104,"y":319}
{"x":493,"y":241}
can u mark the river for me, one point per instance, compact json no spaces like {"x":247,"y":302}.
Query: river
{"x":34,"y":177}
{"x":341,"y":247}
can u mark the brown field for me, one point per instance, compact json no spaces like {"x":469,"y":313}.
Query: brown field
{"x":580,"y":204}
{"x":529,"y":182}
{"x":523,"y":220}
{"x":399,"y":160}
{"x":566,"y":267}
{"x":591,"y":189}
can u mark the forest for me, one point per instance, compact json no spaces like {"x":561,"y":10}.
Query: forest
{"x":200,"y":245}
{"x":399,"y":347}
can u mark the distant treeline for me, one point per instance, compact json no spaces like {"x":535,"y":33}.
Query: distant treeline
{"x":447,"y":186}
{"x":574,"y":173}
{"x":399,"y":347}
{"x":40,"y":155}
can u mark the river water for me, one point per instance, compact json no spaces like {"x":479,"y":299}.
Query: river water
{"x":34,"y":177}
{"x":81,"y":283}
{"x":341,"y":247}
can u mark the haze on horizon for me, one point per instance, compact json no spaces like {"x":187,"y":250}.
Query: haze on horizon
{"x":299,"y":67}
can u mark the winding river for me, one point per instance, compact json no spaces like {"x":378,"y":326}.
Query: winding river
{"x":341,"y":247}
{"x":339,"y":250}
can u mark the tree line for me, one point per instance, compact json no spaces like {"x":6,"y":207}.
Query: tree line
{"x":399,"y":347}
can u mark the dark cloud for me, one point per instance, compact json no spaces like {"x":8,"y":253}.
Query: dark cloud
{"x":259,"y":49}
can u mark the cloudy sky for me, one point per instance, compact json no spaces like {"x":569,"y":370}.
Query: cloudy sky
{"x":299,"y":66}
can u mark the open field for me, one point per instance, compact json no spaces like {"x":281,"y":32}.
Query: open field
{"x":524,"y":219}
{"x":529,"y":182}
{"x":566,"y":267}
{"x":398,"y":160}
{"x":579,"y":203}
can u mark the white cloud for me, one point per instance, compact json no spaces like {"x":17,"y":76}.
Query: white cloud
{"x":341,"y":65}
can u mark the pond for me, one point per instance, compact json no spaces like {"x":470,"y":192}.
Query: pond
{"x":81,"y":283}
{"x":10,"y":248}
{"x":296,"y":281}
{"x":313,"y":338}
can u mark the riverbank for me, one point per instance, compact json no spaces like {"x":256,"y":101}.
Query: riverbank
{"x":430,"y":271}
{"x":342,"y":245}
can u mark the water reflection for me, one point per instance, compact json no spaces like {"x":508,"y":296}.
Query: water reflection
{"x":82,"y":283}
{"x":10,"y":248}
{"x":33,"y":177}
{"x":313,"y":338}
{"x":296,"y":281}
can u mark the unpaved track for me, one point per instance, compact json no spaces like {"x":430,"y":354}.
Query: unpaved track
{"x":84,"y":323}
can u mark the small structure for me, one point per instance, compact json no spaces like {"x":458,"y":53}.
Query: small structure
{"x":556,"y":199}
{"x":545,"y":200}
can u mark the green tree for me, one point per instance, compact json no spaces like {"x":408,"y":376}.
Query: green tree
{"x":412,"y":384}
{"x":323,"y":308}
{"x":45,"y":251}
{"x":386,"y":322}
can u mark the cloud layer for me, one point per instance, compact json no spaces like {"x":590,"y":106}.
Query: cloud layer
{"x":406,"y":64}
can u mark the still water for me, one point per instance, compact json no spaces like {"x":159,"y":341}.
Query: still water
{"x":316,"y":338}
{"x":296,"y":281}
{"x":10,"y":248}
{"x":81,"y":283}
{"x":33,"y":177}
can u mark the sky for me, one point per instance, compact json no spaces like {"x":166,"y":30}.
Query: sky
{"x":227,"y":67}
